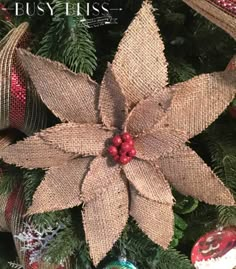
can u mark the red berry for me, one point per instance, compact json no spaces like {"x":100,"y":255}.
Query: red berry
{"x":125,"y":147}
{"x":126,"y":137}
{"x":124,"y":159}
{"x":129,"y":158}
{"x":132,"y":153}
{"x":113,"y":150}
{"x":117,"y":141}
{"x":116,"y":158}
{"x":131,"y":142}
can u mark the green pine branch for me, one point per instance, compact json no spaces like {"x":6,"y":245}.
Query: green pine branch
{"x":68,"y":40}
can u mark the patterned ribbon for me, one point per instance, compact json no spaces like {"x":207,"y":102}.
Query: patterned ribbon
{"x":21,"y":108}
{"x":228,"y":6}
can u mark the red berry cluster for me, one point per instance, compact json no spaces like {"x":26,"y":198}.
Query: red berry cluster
{"x":122,"y":149}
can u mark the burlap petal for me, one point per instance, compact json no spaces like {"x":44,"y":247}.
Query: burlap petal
{"x":215,"y":13}
{"x":140,"y":66}
{"x":188,"y":173}
{"x":106,"y":207}
{"x":148,"y":112}
{"x":159,"y":142}
{"x":84,"y":139}
{"x":71,"y":97}
{"x":112,"y":103}
{"x":102,"y":175}
{"x":61,"y":187}
{"x":149,"y":181}
{"x":155,"y":219}
{"x":33,"y":152}
{"x":199,"y":101}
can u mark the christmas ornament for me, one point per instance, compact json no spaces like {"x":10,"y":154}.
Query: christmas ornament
{"x":21,"y":108}
{"x":121,"y":264}
{"x":216,"y":250}
{"x":30,"y":243}
{"x":134,"y":104}
{"x":220,"y":12}
{"x":36,"y":242}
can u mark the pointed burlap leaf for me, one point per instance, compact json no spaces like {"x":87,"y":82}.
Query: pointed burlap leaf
{"x":199,"y":102}
{"x":101,"y":176}
{"x":140,"y":66}
{"x":148,"y":112}
{"x":33,"y":152}
{"x":61,"y":187}
{"x":188,"y":173}
{"x":71,"y":97}
{"x":159,"y":142}
{"x":149,"y":181}
{"x":112,"y":103}
{"x":83,"y":139}
{"x":105,"y":215}
{"x":217,"y":13}
{"x":155,"y":219}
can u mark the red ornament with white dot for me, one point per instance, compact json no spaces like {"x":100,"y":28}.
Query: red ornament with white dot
{"x":122,"y":149}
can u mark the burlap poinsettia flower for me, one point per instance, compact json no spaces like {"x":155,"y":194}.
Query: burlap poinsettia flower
{"x":133,"y":100}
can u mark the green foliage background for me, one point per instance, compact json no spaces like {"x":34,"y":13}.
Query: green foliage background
{"x":193,"y":46}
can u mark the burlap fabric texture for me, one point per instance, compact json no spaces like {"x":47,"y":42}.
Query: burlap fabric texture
{"x":133,"y":97}
{"x":20,"y":106}
{"x":217,"y":12}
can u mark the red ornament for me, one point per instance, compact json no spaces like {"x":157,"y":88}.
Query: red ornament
{"x":216,"y":249}
{"x":113,"y":150}
{"x":117,"y":141}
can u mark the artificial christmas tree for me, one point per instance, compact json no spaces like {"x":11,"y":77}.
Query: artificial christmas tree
{"x":183,"y":106}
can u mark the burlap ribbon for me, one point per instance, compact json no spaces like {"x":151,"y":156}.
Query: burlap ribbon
{"x":222,"y":13}
{"x":133,"y":97}
{"x":20,"y":105}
